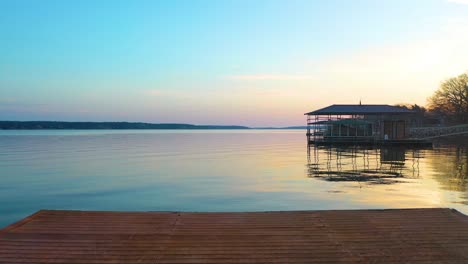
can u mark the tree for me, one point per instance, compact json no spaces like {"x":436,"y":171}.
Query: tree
{"x":419,"y":117}
{"x":451,"y":99}
{"x":414,"y":107}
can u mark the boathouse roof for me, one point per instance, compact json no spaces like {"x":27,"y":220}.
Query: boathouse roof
{"x":368,"y":109}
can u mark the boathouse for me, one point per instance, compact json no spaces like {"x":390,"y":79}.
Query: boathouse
{"x":359,"y":124}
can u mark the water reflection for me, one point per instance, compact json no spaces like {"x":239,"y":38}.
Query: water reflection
{"x":446,"y":164}
{"x":219,"y":171}
{"x":363,"y":165}
{"x":451,"y":168}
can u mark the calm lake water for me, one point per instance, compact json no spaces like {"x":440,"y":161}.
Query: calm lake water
{"x":228,"y":170}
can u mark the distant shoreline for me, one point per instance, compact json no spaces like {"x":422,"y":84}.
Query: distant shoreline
{"x":57,"y":125}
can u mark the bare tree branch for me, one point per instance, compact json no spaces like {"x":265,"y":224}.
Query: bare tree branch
{"x":452,"y":98}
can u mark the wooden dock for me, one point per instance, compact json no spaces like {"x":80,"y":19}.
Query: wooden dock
{"x":354,"y":236}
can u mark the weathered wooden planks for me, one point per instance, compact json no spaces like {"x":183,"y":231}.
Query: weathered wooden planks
{"x":398,"y":236}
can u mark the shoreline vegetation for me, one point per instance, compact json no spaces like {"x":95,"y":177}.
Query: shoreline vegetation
{"x":38,"y":125}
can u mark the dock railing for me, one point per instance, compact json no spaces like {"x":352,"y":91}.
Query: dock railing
{"x":435,"y":132}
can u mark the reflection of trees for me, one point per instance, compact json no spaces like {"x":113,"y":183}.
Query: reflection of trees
{"x":451,"y":166}
{"x":375,"y":166}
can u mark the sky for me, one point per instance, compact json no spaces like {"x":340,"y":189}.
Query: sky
{"x":254,"y":63}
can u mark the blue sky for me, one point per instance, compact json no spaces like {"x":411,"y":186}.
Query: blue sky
{"x":222,"y":62}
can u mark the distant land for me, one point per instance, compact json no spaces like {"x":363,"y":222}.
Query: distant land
{"x":104,"y":125}
{"x":116,"y":125}
{"x":290,"y":127}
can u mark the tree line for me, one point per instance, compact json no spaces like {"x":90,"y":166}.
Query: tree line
{"x":448,"y":105}
{"x":104,"y":125}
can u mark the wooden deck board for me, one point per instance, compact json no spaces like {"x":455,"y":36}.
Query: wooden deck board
{"x":354,"y":236}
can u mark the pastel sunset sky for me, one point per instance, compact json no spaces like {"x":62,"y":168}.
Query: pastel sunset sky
{"x":255,"y":63}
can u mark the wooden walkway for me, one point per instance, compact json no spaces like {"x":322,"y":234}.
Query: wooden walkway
{"x":354,"y":236}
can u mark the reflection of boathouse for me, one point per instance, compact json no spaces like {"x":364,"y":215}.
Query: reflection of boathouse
{"x":380,"y":124}
{"x":355,"y":164}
